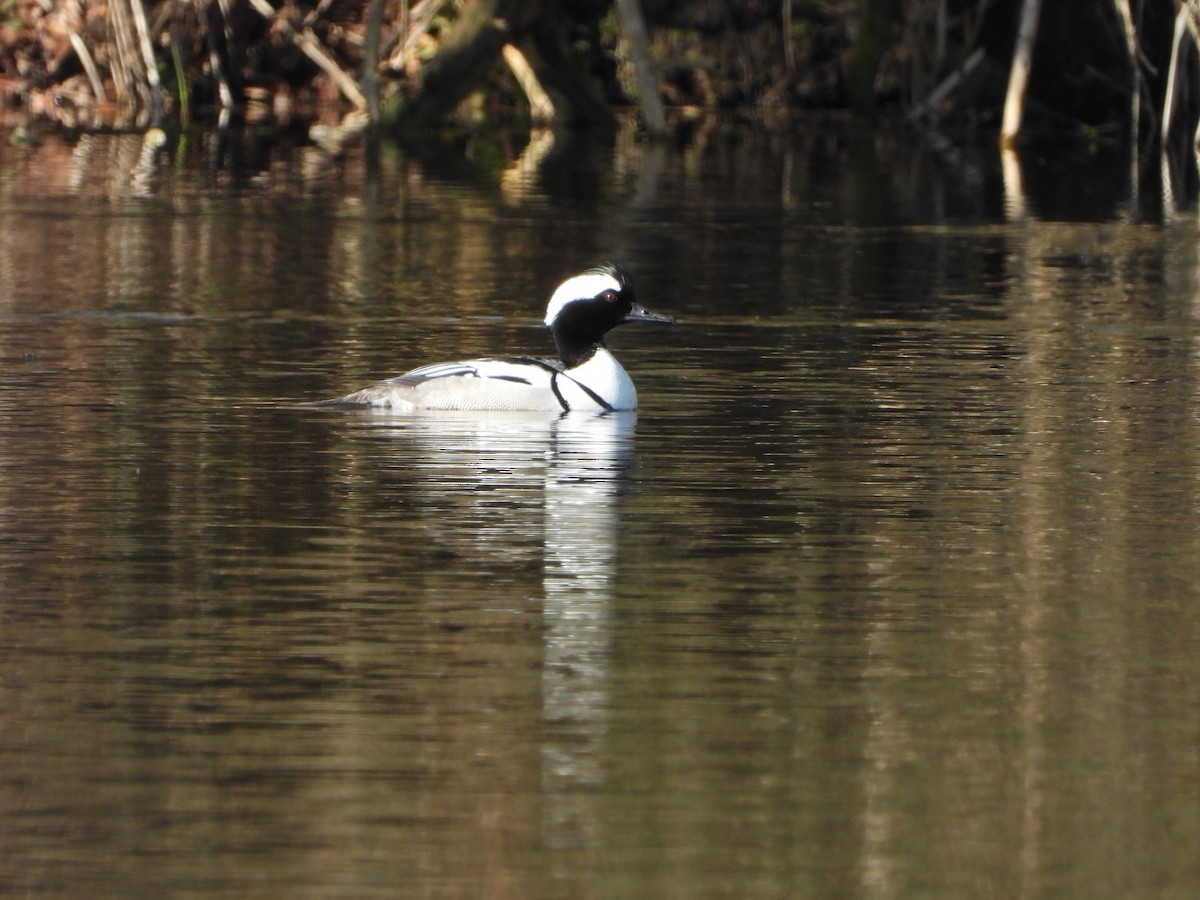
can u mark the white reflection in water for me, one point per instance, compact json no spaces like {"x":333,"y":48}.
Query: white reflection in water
{"x":575,"y":466}
{"x":591,"y":456}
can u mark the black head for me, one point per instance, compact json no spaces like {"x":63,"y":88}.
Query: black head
{"x":586,"y":307}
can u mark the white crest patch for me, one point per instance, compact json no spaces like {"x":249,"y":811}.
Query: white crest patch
{"x":581,"y":287}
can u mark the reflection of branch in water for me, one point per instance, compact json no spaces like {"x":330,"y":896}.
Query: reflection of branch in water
{"x":329,"y":142}
{"x":1015,"y":208}
{"x":519,"y":179}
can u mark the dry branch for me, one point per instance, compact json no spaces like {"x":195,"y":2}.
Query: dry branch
{"x":414,"y":23}
{"x":633,"y":29}
{"x":1171,"y":95}
{"x":1018,"y":79}
{"x":82,"y":53}
{"x":308,"y":44}
{"x":1125,"y":14}
{"x":541,"y":107}
{"x":948,"y":85}
{"x":147,"y":48}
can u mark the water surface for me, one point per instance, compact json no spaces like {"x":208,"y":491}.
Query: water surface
{"x":890,"y":588}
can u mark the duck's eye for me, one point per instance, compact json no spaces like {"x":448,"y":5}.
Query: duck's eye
{"x":609,"y":296}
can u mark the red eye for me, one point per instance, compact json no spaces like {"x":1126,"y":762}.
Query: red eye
{"x":609,"y":296}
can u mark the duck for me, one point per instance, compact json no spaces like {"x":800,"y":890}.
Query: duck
{"x":585,"y":376}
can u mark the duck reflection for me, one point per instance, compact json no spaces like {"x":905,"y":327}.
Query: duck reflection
{"x":500,"y":472}
{"x":592,"y":456}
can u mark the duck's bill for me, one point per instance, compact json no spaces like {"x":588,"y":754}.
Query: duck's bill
{"x":641,"y":314}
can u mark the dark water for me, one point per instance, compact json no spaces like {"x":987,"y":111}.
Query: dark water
{"x":891,"y":588}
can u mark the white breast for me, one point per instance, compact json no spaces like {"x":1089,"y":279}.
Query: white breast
{"x":601,"y":376}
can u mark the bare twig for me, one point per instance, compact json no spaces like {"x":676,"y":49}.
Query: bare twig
{"x":789,"y":52}
{"x":1125,"y":14}
{"x":541,"y":107}
{"x":370,"y":74}
{"x":633,"y":28}
{"x":948,"y":85}
{"x":308,"y":44}
{"x":413,"y":23}
{"x":1018,"y":79}
{"x":1171,"y":96}
{"x":126,"y":62}
{"x":82,"y":53}
{"x":152,"y":80}
{"x":224,"y":90}
{"x":85,"y":58}
{"x":89,"y":66}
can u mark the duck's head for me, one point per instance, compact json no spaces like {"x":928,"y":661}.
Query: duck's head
{"x":586,"y":307}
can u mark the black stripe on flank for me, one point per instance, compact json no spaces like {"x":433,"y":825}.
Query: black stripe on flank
{"x":599,"y":401}
{"x":517,"y":378}
{"x":562,"y":401}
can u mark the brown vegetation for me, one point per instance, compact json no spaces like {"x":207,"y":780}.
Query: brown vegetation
{"x":413,"y":65}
